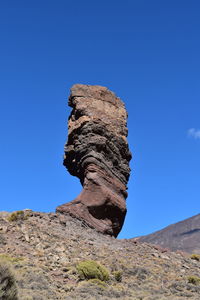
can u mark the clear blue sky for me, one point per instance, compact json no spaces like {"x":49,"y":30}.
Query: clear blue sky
{"x":148,"y":53}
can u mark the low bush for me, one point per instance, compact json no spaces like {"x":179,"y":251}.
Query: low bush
{"x":97,"y":282}
{"x":90,"y":269}
{"x":5,"y":258}
{"x":194,"y":280}
{"x":195,"y":257}
{"x":118,"y":275}
{"x":8,"y":287}
{"x":17,"y":215}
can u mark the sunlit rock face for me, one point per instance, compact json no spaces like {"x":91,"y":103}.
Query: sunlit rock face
{"x":97,"y":153}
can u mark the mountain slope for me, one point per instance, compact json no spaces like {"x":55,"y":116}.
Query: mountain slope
{"x":44,"y":249}
{"x":184,"y":236}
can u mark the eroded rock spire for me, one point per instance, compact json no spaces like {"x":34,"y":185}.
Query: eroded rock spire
{"x":97,"y":153}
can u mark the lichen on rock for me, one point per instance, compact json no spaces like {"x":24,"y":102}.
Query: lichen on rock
{"x":97,"y":153}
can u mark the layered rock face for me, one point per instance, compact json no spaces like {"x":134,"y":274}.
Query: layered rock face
{"x":97,"y":153}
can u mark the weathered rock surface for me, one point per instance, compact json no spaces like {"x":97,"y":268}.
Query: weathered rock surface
{"x":97,"y":153}
{"x":184,"y":236}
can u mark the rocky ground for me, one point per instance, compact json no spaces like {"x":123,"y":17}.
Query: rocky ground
{"x":44,"y":249}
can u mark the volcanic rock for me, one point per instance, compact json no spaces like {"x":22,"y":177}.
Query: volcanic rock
{"x":97,"y":153}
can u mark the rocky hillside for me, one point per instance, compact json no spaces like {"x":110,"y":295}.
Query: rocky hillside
{"x":54,"y":256}
{"x":184,"y":236}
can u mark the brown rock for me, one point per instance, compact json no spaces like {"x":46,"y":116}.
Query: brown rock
{"x":97,"y":153}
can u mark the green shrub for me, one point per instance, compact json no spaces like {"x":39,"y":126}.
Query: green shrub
{"x":194,"y":280}
{"x":91,"y":269}
{"x":118,"y":275}
{"x":17,"y":215}
{"x":8,"y":288}
{"x":5,"y":258}
{"x":97,"y":282}
{"x":195,"y":257}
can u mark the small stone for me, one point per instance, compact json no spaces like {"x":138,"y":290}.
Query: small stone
{"x":27,"y":237}
{"x":4,"y":229}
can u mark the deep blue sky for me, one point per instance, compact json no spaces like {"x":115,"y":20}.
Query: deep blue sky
{"x":148,"y":53}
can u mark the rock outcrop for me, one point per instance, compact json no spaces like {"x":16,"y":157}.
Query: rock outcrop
{"x":97,"y":153}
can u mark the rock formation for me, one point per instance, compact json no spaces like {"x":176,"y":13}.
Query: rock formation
{"x":97,"y":153}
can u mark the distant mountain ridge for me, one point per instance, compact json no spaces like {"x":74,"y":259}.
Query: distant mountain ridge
{"x":183,"y":236}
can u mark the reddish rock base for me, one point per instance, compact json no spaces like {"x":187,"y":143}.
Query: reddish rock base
{"x":101,"y":203}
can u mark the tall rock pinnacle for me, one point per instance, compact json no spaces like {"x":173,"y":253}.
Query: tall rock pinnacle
{"x":97,"y":153}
